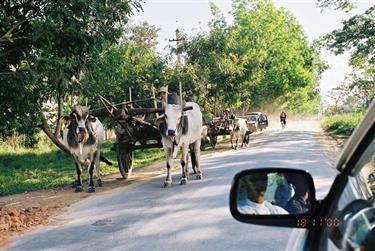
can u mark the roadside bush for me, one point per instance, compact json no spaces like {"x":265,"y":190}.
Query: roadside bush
{"x":343,"y":124}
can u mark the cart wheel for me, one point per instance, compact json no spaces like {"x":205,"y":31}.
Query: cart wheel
{"x":213,"y":141}
{"x":125,"y":162}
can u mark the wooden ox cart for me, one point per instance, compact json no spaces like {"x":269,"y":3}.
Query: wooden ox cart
{"x":215,"y":128}
{"x":133,"y":130}
{"x":218,"y":127}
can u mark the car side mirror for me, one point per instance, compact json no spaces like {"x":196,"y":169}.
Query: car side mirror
{"x":273,"y":196}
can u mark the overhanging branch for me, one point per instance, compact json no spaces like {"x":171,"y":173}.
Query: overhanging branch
{"x":44,"y":126}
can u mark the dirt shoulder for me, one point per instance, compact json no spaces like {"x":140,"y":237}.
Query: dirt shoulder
{"x":333,"y":146}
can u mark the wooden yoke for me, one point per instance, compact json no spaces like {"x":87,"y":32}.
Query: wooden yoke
{"x":123,"y":110}
{"x":111,"y":109}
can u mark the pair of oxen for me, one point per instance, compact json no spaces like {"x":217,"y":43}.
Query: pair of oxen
{"x":180,"y":126}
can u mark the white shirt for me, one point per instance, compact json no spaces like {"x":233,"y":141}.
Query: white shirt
{"x":249,"y":207}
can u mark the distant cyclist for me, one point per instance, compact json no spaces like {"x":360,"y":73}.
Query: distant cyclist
{"x":283,"y":119}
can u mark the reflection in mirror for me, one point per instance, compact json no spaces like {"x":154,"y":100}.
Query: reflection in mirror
{"x":361,"y":230}
{"x":265,"y":193}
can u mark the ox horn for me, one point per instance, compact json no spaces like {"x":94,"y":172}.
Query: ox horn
{"x":63,"y":121}
{"x":187,"y":108}
{"x":160,"y":119}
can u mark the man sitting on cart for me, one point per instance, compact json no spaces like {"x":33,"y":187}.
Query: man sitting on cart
{"x":162,"y":95}
{"x":228,"y":114}
{"x":228,"y":117}
{"x":167,"y":97}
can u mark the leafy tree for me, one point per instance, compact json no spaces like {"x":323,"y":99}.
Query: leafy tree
{"x":338,"y":95}
{"x":262,"y":58}
{"x":351,"y":96}
{"x":363,"y":87}
{"x":274,"y":51}
{"x":44,"y":46}
{"x":357,"y":36}
{"x":345,"y":5}
{"x":209,"y":67}
{"x":144,"y":35}
{"x":120,"y":67}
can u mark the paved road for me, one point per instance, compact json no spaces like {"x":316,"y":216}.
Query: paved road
{"x":145,"y":216}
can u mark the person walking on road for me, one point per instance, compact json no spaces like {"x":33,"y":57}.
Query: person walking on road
{"x":283,"y":119}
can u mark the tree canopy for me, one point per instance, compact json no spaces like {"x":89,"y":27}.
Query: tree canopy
{"x":262,"y":59}
{"x":44,"y":45}
{"x":57,"y":53}
{"x":345,"y":5}
{"x":131,"y":63}
{"x":357,"y":36}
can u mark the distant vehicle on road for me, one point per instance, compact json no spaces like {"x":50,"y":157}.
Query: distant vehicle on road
{"x":256,"y":121}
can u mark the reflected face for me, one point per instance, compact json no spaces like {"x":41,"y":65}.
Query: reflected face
{"x":256,"y":192}
{"x":256,"y":186}
{"x":273,"y":193}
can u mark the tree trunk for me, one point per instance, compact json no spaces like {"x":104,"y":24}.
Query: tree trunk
{"x":59,"y":110}
{"x":52,"y":137}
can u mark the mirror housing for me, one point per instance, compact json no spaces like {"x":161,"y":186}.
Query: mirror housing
{"x":298,"y":220}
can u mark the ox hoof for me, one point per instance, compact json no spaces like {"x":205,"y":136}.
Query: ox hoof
{"x":100,"y":182}
{"x":167,"y":183}
{"x":183,"y":181}
{"x":75,"y":183}
{"x":78,"y":189}
{"x":91,"y":189}
{"x":199,"y":176}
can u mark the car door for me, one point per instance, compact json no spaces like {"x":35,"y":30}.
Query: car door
{"x":354,"y":208}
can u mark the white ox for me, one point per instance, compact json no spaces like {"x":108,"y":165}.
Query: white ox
{"x":204,"y":135}
{"x":83,"y":136}
{"x":238,"y":131}
{"x":181,"y":129}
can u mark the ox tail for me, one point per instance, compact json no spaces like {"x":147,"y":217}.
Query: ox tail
{"x":105,"y":160}
{"x":193,"y":158}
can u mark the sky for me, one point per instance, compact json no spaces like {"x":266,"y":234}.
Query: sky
{"x":193,"y":15}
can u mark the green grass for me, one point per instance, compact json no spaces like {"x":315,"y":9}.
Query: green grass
{"x":341,"y":125}
{"x":25,"y":170}
{"x":43,"y":167}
